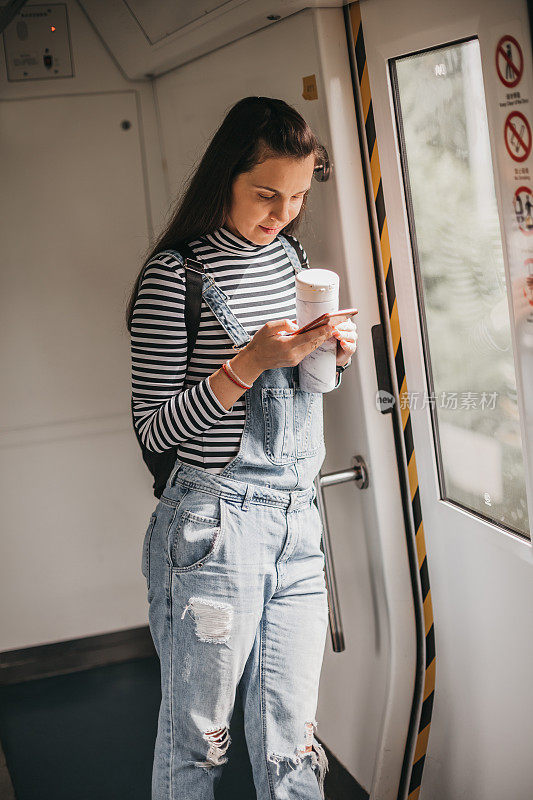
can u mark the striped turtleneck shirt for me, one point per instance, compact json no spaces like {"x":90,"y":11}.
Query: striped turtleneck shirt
{"x":174,"y":405}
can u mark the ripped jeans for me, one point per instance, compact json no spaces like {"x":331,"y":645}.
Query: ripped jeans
{"x":237,"y":598}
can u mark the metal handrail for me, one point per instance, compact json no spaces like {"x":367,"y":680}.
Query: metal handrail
{"x":359,"y":474}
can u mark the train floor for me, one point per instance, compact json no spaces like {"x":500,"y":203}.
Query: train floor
{"x":84,"y":735}
{"x":90,"y":734}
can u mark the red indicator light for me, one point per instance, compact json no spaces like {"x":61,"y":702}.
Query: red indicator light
{"x":52,"y":27}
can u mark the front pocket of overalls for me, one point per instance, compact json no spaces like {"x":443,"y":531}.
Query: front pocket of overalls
{"x":145,"y":559}
{"x":278,"y":415}
{"x":193,"y":535}
{"x":309,"y":415}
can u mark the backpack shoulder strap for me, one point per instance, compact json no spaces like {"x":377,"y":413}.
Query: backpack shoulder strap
{"x":194,"y":277}
{"x":162,"y":464}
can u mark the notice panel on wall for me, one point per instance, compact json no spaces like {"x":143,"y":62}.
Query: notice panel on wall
{"x":37,"y":44}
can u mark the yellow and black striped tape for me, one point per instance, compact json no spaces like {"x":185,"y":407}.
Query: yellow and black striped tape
{"x":417,"y":766}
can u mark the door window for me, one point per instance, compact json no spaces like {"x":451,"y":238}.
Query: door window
{"x":457,"y":252}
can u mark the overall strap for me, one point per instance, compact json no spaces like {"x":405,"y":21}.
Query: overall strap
{"x":197,"y":284}
{"x":216,"y":299}
{"x":294,"y":251}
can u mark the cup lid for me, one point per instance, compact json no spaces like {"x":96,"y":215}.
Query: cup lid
{"x":317,"y":279}
{"x":316,"y":284}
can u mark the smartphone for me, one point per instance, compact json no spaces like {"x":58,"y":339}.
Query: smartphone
{"x":331,"y":316}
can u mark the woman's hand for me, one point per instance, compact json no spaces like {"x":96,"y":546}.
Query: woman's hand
{"x":346,"y":335}
{"x":271,"y":347}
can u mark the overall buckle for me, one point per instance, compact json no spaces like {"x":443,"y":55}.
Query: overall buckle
{"x":189,"y":261}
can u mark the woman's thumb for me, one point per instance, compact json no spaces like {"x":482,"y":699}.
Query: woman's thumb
{"x":285,"y":325}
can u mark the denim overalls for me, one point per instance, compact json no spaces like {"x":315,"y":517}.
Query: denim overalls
{"x":237,"y":595}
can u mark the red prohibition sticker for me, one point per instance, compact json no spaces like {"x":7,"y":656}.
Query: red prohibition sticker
{"x":528,"y":288}
{"x":517,"y":133}
{"x":509,"y":61}
{"x":523,"y":209}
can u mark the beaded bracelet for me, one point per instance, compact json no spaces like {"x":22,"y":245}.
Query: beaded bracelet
{"x":225,"y":371}
{"x":233,"y":377}
{"x":232,"y":371}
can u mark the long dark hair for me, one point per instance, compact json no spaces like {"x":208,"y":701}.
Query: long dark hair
{"x":253,"y":129}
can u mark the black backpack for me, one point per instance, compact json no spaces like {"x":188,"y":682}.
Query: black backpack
{"x":162,"y":464}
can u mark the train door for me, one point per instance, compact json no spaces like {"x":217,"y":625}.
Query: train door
{"x":445,"y":89}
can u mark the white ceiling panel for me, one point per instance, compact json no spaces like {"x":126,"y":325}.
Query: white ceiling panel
{"x":159,"y":20}
{"x":150,"y":38}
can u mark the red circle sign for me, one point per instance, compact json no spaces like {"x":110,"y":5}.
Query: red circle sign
{"x":509,"y":61}
{"x":517,"y":134}
{"x":528,"y":288}
{"x":523,"y":209}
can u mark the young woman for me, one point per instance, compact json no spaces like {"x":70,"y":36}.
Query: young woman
{"x":232,"y":554}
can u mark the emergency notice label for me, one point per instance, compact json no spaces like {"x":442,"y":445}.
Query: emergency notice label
{"x":512,"y":81}
{"x":509,"y":93}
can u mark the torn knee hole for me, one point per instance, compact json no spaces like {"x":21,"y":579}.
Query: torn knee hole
{"x":219,"y":736}
{"x":219,"y":741}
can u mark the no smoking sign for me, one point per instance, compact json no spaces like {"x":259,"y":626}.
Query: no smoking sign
{"x":517,"y":135}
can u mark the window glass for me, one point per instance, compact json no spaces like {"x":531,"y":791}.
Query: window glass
{"x":457,"y":252}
